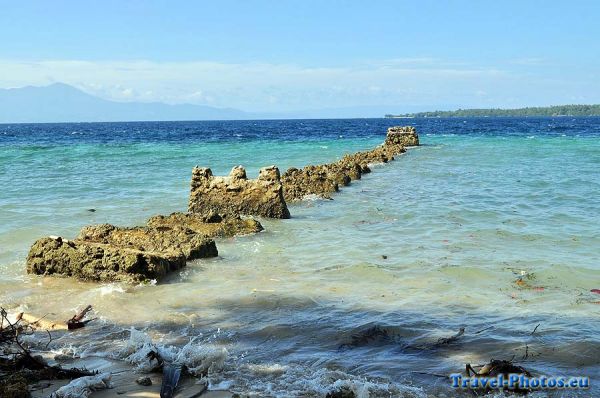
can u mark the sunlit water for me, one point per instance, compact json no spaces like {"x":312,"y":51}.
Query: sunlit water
{"x":422,"y":246}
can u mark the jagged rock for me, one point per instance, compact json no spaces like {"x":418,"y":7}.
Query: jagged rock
{"x":310,"y":180}
{"x":236,"y":195}
{"x":402,"y":135}
{"x":100,"y":262}
{"x":108,"y":253}
{"x":227,"y":227}
{"x":162,"y":239}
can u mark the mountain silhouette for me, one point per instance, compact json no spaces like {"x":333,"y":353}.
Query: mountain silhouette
{"x":60,"y":102}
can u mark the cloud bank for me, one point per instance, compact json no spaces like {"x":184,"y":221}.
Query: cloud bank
{"x":262,"y":87}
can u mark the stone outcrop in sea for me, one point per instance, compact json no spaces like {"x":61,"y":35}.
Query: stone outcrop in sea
{"x":218,"y":207}
{"x":402,"y":135}
{"x":107,"y":253}
{"x":224,"y":228}
{"x":323,"y":180}
{"x":236,"y":195}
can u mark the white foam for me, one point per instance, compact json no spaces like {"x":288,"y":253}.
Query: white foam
{"x":199,"y":359}
{"x":84,"y":386}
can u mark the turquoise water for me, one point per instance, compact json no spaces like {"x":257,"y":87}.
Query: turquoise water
{"x":483,"y":203}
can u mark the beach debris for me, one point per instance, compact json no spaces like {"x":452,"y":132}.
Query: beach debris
{"x":449,"y":340}
{"x":383,"y":256}
{"x":236,"y":195}
{"x":524,"y":281}
{"x":597,"y":291}
{"x":77,"y":321}
{"x":91,"y":210}
{"x":20,"y":364}
{"x":171,"y":375}
{"x":497,"y":367}
{"x":84,"y":386}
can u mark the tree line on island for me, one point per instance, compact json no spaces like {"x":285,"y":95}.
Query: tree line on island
{"x":558,"y":110}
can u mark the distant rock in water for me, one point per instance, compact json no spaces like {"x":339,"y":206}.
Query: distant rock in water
{"x":323,"y":180}
{"x":402,"y":135}
{"x":237,"y":195}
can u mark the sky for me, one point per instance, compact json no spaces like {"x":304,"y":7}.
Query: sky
{"x":282,"y":56}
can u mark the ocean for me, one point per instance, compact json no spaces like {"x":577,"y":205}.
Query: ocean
{"x":492,"y":224}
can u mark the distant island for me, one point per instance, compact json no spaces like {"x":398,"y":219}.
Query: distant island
{"x":559,"y":110}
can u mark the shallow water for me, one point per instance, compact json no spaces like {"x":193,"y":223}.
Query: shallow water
{"x":482,"y":203}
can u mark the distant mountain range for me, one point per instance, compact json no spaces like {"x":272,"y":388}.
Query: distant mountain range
{"x":63,"y":103}
{"x":559,"y":110}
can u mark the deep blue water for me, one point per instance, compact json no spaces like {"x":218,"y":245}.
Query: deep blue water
{"x":284,"y":130}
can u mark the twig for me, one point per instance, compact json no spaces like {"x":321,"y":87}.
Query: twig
{"x":484,"y":329}
{"x":451,"y":339}
{"x":538,"y":325}
{"x":430,"y":374}
{"x":49,"y":341}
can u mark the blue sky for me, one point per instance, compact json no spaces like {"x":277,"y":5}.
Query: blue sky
{"x":294,"y":55}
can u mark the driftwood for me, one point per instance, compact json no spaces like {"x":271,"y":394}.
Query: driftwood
{"x":497,"y":367}
{"x":448,"y":340}
{"x":77,"y":321}
{"x":18,"y":366}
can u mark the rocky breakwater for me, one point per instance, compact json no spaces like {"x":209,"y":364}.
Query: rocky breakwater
{"x":402,"y":135}
{"x":106,"y":253}
{"x":323,"y":180}
{"x":236,"y":195}
{"x":216,"y":206}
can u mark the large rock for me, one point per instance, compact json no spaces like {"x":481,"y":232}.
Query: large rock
{"x":100,"y":262}
{"x":310,"y":180}
{"x":402,"y":135}
{"x":107,"y":253}
{"x":201,"y":224}
{"x":173,"y":238}
{"x":236,"y":195}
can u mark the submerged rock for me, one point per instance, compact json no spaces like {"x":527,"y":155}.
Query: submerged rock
{"x":226,"y":228}
{"x":236,"y":195}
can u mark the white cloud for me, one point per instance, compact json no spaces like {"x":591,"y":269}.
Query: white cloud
{"x":277,"y":87}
